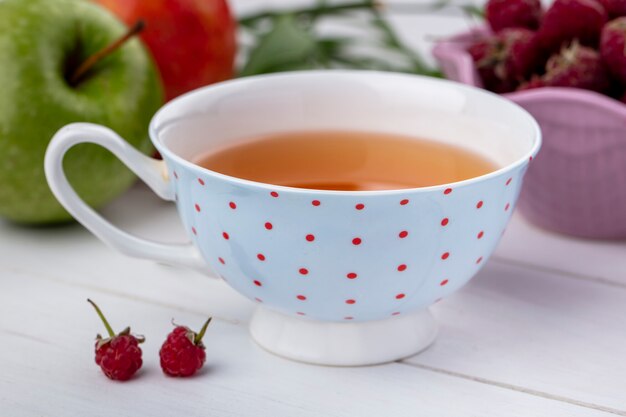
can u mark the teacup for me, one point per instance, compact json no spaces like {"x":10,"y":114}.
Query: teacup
{"x":360,"y":294}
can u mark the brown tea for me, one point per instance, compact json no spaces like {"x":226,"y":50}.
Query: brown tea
{"x":348,"y":161}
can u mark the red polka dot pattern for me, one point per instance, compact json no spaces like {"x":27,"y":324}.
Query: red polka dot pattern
{"x":398,"y":286}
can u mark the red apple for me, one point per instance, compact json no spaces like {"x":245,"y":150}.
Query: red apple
{"x":192,"y":41}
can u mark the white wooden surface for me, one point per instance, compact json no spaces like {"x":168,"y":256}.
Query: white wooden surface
{"x":541,"y":331}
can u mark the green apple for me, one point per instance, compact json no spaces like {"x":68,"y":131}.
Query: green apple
{"x":42,"y":43}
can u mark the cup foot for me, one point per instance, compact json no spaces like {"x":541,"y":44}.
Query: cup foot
{"x":343,"y":344}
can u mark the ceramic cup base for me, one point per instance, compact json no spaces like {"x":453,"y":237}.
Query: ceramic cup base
{"x":343,"y":344}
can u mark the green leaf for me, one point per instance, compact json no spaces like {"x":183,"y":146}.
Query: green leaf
{"x":333,"y":45}
{"x":286,"y":45}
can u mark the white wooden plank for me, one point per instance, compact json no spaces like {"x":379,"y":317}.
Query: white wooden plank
{"x":541,"y":331}
{"x":46,"y":358}
{"x":502,"y":305}
{"x":72,"y":254}
{"x":603,"y":261}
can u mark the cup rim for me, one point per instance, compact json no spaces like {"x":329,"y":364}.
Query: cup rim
{"x":166,"y":152}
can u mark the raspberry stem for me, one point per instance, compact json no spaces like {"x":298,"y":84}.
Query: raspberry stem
{"x":104,"y":320}
{"x":202,"y":331}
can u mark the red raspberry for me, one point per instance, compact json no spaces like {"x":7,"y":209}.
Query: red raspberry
{"x":613,"y":48}
{"x":119,"y":356}
{"x":182,"y":353}
{"x":534,"y":82}
{"x":615,"y":8}
{"x":567,"y":20}
{"x":502,"y":14}
{"x":576,"y":66}
{"x":505,"y":59}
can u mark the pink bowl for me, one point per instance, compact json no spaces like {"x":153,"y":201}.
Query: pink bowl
{"x":577,"y":184}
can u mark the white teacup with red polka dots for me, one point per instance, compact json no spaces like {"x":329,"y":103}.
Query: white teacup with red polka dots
{"x":341,"y":278}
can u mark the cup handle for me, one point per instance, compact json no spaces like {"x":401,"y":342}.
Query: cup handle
{"x":152,"y":171}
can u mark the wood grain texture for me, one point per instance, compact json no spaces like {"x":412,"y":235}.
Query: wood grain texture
{"x":539,"y":331}
{"x":541,"y":338}
{"x":47,"y":369}
{"x":560,"y":253}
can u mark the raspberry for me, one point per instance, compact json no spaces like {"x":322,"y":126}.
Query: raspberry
{"x":576,"y":66}
{"x":505,"y":59}
{"x":615,"y":8}
{"x":613,"y":47}
{"x":119,"y":356}
{"x":534,"y":82}
{"x":502,"y":14}
{"x":182,"y":353}
{"x":567,"y":20}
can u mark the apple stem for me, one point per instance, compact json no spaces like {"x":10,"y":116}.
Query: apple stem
{"x":107,"y":50}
